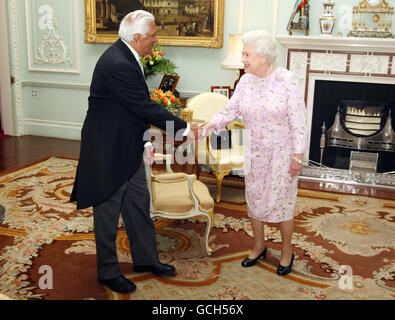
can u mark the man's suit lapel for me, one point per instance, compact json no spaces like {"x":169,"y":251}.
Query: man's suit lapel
{"x":119,"y":43}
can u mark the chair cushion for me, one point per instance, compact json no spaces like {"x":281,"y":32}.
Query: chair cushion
{"x":174,"y":198}
{"x":234,"y":156}
{"x":170,"y":177}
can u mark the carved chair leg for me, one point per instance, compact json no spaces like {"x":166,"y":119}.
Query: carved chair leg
{"x":197,"y":170}
{"x":210,"y":223}
{"x":220,"y":176}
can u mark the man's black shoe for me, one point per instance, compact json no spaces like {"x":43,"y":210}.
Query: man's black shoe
{"x":2,"y":213}
{"x":119,"y":284}
{"x":159,"y":269}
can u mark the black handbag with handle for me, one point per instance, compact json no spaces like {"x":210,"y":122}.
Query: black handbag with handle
{"x":222,"y":140}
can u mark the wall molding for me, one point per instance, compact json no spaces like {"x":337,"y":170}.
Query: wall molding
{"x":15,"y":67}
{"x":7,"y":120}
{"x":85,"y":86}
{"x":74,"y":30}
{"x":52,"y":128}
{"x":61,"y":85}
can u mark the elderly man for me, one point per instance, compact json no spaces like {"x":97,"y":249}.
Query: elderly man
{"x":110,"y":174}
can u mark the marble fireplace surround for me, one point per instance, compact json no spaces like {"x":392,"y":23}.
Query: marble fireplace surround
{"x":350,"y":59}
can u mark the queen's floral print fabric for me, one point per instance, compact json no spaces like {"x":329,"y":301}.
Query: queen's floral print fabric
{"x":274,"y":111}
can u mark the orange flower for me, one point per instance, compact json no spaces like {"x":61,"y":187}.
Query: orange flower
{"x":167,"y":100}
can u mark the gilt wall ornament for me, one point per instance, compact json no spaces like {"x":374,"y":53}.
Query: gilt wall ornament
{"x":372,"y":18}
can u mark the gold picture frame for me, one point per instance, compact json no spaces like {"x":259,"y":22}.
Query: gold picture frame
{"x":191,"y":28}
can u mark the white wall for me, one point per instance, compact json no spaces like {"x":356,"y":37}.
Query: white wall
{"x":63,"y":90}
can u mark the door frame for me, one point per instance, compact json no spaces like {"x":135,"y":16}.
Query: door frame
{"x":7,"y":122}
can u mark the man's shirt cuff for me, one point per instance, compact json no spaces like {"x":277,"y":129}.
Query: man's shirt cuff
{"x":188,"y":128}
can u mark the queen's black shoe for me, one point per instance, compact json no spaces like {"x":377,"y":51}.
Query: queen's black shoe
{"x":247,"y":262}
{"x":282,"y":271}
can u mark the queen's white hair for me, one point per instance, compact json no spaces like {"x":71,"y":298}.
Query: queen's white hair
{"x":263,"y":43}
{"x":135,"y":22}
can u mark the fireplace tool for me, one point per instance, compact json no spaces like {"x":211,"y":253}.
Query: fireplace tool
{"x":322,"y":142}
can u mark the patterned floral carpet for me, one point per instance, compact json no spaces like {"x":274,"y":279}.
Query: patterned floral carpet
{"x":332,"y":231}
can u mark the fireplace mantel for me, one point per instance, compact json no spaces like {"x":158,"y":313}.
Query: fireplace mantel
{"x":337,"y":43}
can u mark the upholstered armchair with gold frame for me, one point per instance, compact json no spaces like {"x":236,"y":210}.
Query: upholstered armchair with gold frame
{"x":223,"y":161}
{"x":178,"y":195}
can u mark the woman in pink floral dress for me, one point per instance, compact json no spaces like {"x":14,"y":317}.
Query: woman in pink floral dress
{"x":272,"y":107}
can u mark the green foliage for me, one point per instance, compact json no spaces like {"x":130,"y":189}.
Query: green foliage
{"x":155,"y":63}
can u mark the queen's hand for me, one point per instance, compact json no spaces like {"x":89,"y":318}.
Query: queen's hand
{"x":206,"y":129}
{"x":296,"y":164}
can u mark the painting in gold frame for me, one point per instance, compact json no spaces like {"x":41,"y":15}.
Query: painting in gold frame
{"x":191,"y":23}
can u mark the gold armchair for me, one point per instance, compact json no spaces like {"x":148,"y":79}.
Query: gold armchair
{"x":222,"y":162}
{"x":178,"y":195}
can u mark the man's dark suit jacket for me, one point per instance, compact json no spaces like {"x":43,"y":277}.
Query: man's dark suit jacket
{"x":120,"y":111}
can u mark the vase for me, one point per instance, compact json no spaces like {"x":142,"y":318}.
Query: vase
{"x":327,"y":20}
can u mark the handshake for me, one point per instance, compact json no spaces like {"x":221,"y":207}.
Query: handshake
{"x":198,"y":133}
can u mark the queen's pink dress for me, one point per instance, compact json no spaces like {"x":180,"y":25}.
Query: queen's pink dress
{"x":273,"y":109}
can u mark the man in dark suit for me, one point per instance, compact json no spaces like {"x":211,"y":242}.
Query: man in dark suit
{"x":110,"y":173}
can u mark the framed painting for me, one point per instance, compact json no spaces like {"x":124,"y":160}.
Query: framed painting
{"x":169,"y":83}
{"x":224,"y":90}
{"x":191,"y":23}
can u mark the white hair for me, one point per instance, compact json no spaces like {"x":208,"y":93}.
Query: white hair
{"x":263,"y":43}
{"x":135,"y":22}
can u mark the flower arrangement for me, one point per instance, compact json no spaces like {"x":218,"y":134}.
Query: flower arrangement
{"x":155,"y":63}
{"x":170,"y":102}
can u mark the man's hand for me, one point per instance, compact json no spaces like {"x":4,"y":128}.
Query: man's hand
{"x":193,"y":132}
{"x":149,"y":154}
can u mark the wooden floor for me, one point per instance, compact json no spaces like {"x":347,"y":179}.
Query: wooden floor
{"x":18,"y":152}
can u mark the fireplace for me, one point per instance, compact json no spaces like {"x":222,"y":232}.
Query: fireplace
{"x":354,"y":120}
{"x":333,"y":72}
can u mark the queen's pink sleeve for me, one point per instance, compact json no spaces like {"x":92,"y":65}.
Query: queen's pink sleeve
{"x":297,"y":114}
{"x":230,"y":111}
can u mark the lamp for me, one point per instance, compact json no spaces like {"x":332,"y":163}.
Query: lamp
{"x":233,"y":59}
